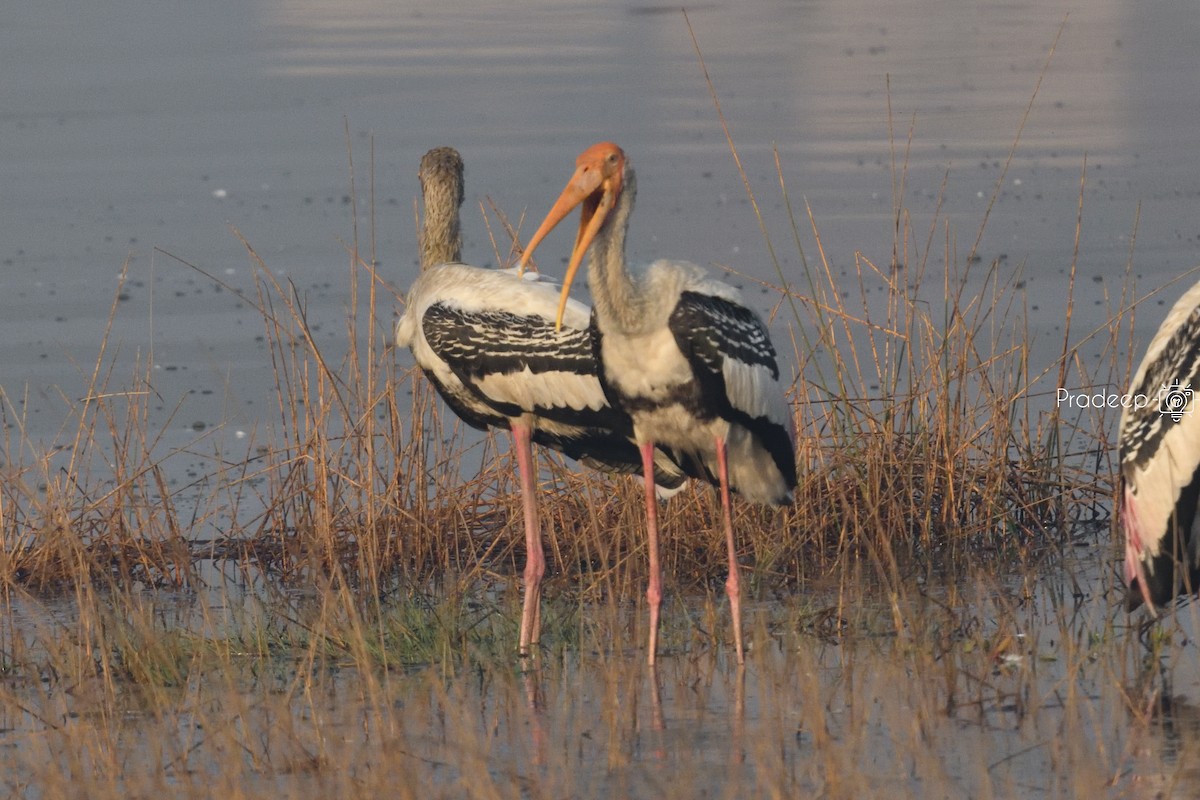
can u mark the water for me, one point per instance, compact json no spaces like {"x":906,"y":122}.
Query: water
{"x":131,"y":130}
{"x":1017,"y":690}
{"x":133,"y":127}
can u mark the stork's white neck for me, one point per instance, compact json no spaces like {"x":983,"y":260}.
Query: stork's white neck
{"x":616,"y":294}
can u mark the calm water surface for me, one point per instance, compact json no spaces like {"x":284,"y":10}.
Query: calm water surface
{"x":130,"y":128}
{"x":133,"y":127}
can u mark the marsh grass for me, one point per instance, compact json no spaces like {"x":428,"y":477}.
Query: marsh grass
{"x":975,"y":697}
{"x":922,"y":441}
{"x":334,"y":613}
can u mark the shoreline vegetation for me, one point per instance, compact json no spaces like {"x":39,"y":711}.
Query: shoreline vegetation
{"x":336,"y":611}
{"x":925,"y":433}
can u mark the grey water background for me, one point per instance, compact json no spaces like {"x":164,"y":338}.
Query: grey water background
{"x":130,"y":126}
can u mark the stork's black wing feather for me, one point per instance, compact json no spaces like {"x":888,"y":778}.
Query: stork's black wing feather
{"x":1174,"y":376}
{"x":718,"y":336}
{"x":478,"y":345}
{"x":710,"y":329}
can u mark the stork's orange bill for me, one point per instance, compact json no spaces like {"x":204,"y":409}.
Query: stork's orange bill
{"x":594,"y":186}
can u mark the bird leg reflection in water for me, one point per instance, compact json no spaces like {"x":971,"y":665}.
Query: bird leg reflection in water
{"x":535,"y":702}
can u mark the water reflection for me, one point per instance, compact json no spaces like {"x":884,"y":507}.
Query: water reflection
{"x":938,"y":708}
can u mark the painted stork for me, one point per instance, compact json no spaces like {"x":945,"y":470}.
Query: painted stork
{"x":488,"y":341}
{"x":692,"y":365}
{"x":1160,"y":463}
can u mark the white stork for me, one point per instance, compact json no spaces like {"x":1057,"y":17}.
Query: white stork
{"x":692,"y":365}
{"x":488,"y":341}
{"x":1160,"y":463}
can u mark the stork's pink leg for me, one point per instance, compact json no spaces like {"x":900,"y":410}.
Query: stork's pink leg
{"x":732,"y":583}
{"x":654,"y":588}
{"x":1135,"y":567}
{"x":535,"y":560}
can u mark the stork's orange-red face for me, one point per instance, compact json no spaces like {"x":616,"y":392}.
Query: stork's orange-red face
{"x":596,"y":184}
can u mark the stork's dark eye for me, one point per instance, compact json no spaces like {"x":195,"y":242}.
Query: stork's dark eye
{"x":612,"y":158}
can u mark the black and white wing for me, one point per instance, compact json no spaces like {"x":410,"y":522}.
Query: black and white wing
{"x":517,"y":364}
{"x":735,"y":365}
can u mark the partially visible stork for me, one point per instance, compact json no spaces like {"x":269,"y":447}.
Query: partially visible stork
{"x":488,"y":341}
{"x":678,"y":350}
{"x":1160,"y":463}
